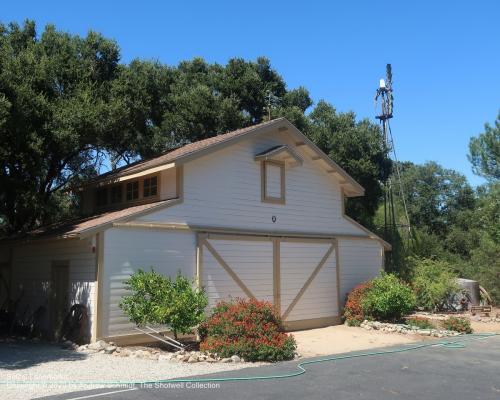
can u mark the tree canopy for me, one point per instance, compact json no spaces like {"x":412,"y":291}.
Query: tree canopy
{"x":69,"y":109}
{"x":484,"y":152}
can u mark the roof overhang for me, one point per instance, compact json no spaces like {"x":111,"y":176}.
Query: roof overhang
{"x":280,"y":153}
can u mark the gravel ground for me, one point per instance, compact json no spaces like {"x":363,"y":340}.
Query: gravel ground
{"x":41,"y":362}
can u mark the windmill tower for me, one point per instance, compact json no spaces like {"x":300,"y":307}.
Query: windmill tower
{"x":384,"y":99}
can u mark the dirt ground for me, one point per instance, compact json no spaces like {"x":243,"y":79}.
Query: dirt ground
{"x":341,"y":339}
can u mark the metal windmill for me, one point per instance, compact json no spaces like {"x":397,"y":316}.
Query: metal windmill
{"x":384,"y":99}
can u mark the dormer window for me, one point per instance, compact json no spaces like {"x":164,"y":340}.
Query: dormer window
{"x":116,"y":194}
{"x":132,"y":190}
{"x":102,"y":197}
{"x":150,"y":187}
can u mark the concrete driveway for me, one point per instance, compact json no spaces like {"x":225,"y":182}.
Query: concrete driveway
{"x":441,"y":373}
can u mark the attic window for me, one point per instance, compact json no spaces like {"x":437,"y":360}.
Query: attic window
{"x":150,"y":187}
{"x":132,"y":190}
{"x":273,"y":182}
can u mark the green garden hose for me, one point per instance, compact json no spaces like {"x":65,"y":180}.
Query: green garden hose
{"x":455,"y":344}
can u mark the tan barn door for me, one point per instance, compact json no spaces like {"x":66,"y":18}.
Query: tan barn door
{"x":308,"y":284}
{"x":297,"y":275}
{"x":59,"y":296}
{"x":236,"y":267}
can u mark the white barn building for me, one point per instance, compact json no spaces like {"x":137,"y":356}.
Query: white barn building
{"x":258,"y":212}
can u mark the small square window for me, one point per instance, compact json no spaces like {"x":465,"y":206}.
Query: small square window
{"x":101,"y":197}
{"x":116,"y":194}
{"x":132,"y":190}
{"x":273,"y":182}
{"x":150,"y":186}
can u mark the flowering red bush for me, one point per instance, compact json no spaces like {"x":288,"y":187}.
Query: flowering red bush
{"x":248,"y":328}
{"x":353,"y":309}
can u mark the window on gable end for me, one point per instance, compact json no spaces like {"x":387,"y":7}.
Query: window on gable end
{"x":273,"y":182}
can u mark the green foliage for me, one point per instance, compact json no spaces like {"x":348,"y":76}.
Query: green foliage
{"x":433,"y":283}
{"x":251,"y":329}
{"x":358,"y":147}
{"x":420,"y":322}
{"x":485,"y":152}
{"x":353,"y":311}
{"x":157,"y":299}
{"x":388,"y":299}
{"x":456,"y":324}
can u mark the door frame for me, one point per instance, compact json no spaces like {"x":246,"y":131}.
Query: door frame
{"x":201,"y":246}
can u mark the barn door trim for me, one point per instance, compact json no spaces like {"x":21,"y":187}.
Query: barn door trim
{"x":309,"y":280}
{"x":227,"y":268}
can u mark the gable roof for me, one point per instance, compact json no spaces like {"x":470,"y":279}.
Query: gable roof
{"x":202,"y":147}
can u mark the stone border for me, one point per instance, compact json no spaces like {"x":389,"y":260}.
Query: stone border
{"x":406,"y":329}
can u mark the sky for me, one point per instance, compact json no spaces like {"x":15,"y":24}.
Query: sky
{"x":444,"y":54}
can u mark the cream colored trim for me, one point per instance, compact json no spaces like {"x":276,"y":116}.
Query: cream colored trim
{"x":264,"y":197}
{"x":137,"y":175}
{"x":200,"y":237}
{"x":97,"y":314}
{"x":337,"y":271}
{"x":371,"y":235}
{"x":151,"y":225}
{"x":217,"y":236}
{"x":312,"y":323}
{"x":287,"y":235}
{"x":179,"y":182}
{"x":308,"y":282}
{"x":277,"y":275}
{"x":272,"y":154}
{"x":228,"y":269}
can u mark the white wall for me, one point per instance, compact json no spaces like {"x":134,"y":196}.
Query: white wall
{"x":125,"y":251}
{"x":31,"y":273}
{"x":360,"y":260}
{"x":223,"y":189}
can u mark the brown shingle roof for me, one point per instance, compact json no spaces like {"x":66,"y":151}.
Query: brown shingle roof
{"x":79,"y":226}
{"x":172,"y":155}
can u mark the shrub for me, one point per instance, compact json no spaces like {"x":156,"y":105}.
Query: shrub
{"x":420,"y":322}
{"x":248,"y":328}
{"x":456,"y":324}
{"x":353,"y":311}
{"x":157,"y":299}
{"x":388,"y":299}
{"x":434,"y":284}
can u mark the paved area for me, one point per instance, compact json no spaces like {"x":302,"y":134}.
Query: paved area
{"x":440,"y":373}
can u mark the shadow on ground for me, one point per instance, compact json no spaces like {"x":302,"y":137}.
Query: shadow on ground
{"x":19,"y":355}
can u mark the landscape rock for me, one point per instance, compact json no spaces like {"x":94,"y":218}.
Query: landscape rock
{"x":236,"y":359}
{"x":99,"y":345}
{"x":226,"y":360}
{"x":110,"y":349}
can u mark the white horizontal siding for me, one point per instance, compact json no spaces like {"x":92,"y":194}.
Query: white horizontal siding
{"x":360,"y":260}
{"x":125,"y":251}
{"x":252,"y":261}
{"x":223,"y":189}
{"x":298,"y":261}
{"x":31,"y":274}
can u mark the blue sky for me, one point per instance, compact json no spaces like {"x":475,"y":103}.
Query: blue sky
{"x":445,"y":54}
